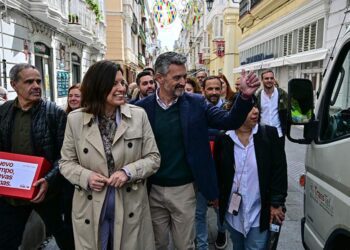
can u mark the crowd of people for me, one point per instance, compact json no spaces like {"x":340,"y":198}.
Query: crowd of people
{"x":135,"y":164}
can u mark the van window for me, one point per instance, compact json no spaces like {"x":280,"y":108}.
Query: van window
{"x":336,"y":119}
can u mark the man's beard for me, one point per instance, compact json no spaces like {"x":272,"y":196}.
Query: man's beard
{"x":179,"y":90}
{"x":147,"y":93}
{"x":214,"y":101}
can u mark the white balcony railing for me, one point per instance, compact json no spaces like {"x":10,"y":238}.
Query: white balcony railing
{"x":53,"y":11}
{"x":81,"y":14}
{"x":59,"y":5}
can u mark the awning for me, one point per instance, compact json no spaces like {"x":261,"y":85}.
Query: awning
{"x":248,"y":67}
{"x":309,"y":56}
{"x":273,"y":63}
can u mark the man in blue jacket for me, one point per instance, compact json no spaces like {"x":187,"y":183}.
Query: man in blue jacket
{"x":180,"y":124}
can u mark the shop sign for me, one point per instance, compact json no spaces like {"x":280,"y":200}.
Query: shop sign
{"x":220,"y":48}
{"x":62,"y":83}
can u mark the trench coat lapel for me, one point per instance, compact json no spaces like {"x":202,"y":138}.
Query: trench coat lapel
{"x":122,"y":127}
{"x":124,"y":113}
{"x":93,"y":135}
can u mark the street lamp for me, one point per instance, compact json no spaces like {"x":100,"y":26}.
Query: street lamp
{"x":209,"y":4}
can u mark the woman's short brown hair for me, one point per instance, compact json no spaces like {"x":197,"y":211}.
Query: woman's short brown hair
{"x":97,"y":84}
{"x":75,"y":86}
{"x":195,"y":85}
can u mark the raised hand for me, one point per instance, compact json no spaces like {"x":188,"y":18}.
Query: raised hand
{"x":249,"y":83}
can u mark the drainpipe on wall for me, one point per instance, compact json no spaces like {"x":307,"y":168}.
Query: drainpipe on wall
{"x":2,"y":13}
{"x":4,"y":72}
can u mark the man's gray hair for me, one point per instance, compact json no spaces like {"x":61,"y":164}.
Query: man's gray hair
{"x":15,"y":70}
{"x":166,"y":59}
{"x":202,"y":70}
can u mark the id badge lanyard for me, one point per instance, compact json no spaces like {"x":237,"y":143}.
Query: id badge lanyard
{"x":236,"y":197}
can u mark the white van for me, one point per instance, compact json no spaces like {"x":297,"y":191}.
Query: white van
{"x":326,"y":224}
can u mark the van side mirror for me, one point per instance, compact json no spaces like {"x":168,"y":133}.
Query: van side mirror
{"x":300,"y":109}
{"x":300,"y":101}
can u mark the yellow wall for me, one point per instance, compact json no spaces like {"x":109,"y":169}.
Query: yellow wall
{"x":231,"y":58}
{"x":273,"y":14}
{"x":113,"y":5}
{"x":233,"y":36}
{"x":115,"y":36}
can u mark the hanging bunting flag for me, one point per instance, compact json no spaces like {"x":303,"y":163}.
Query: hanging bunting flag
{"x":164,"y":12}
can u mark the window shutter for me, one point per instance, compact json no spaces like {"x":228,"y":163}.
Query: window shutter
{"x":306,"y":38}
{"x":285,"y":45}
{"x":300,"y":40}
{"x":313,"y":36}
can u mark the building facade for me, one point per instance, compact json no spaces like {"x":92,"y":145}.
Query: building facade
{"x":62,"y":38}
{"x":287,"y":36}
{"x":211,"y":41}
{"x":130,"y":28}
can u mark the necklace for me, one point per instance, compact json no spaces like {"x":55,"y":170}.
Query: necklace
{"x":110,"y":116}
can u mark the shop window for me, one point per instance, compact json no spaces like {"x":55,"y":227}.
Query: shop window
{"x":76,"y":64}
{"x":43,"y":62}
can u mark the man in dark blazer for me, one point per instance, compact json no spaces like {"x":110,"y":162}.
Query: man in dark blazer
{"x":180,"y":124}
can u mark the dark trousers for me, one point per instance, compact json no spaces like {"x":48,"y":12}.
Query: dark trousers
{"x":14,"y":219}
{"x":283,"y":141}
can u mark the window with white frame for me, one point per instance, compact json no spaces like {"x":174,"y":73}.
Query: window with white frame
{"x":310,"y":36}
{"x":299,"y":40}
{"x":218,"y":27}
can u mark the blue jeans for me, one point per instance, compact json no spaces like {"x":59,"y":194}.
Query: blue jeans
{"x":255,"y":239}
{"x":201,"y":222}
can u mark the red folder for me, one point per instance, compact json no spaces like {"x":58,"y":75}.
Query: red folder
{"x":19,"y":172}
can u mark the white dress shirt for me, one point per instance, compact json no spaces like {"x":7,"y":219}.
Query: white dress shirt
{"x":162,"y":104}
{"x":246,"y":175}
{"x":269,"y":110}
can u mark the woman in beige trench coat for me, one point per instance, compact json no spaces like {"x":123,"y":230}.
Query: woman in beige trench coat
{"x":108,"y":151}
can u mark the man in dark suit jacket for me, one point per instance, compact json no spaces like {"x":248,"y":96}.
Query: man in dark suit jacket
{"x":180,"y":124}
{"x":146,"y":85}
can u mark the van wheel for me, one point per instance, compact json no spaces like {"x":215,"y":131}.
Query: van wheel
{"x":339,"y":242}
